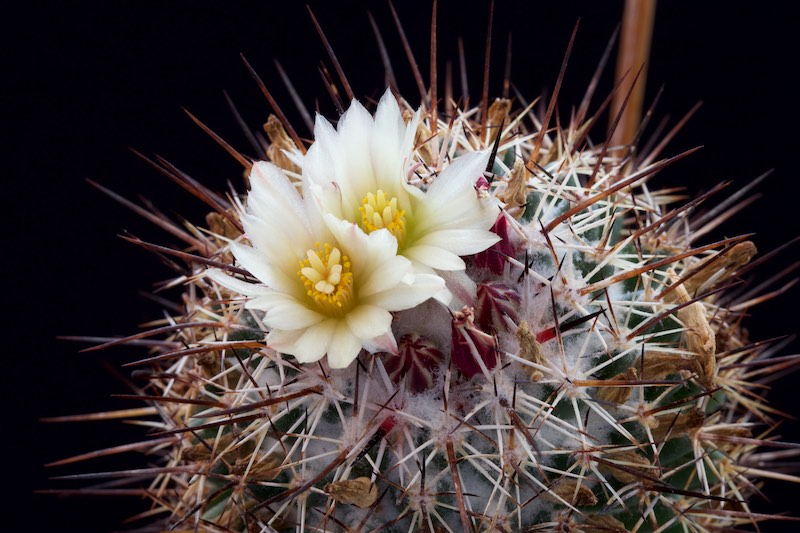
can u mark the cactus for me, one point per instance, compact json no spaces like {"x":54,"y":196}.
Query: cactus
{"x":453,"y":320}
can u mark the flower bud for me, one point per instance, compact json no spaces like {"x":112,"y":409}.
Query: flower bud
{"x":416,"y":361}
{"x":494,"y":257}
{"x":473,"y":350}
{"x":495,"y":301}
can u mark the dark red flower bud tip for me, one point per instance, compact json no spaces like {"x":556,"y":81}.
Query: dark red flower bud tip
{"x":416,"y":362}
{"x":494,"y":257}
{"x":482,"y":185}
{"x":495,"y":302}
{"x":473,"y":350}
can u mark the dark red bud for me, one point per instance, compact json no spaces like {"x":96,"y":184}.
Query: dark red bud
{"x":482,"y":185}
{"x":471,"y":346}
{"x":494,"y":257}
{"x":416,"y":361}
{"x":495,"y":301}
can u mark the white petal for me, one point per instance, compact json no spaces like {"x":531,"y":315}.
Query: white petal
{"x":462,"y":288}
{"x":388,"y":275}
{"x":463,"y":211}
{"x":386,"y":146}
{"x":294,"y":156}
{"x":323,"y":164}
{"x":389,"y":118}
{"x":408,"y":140}
{"x":350,"y":237}
{"x":272,"y":196}
{"x":445,"y":297}
{"x":236,"y":285}
{"x":462,"y":173}
{"x":344,"y":346}
{"x":283,"y":340}
{"x":452,"y":202}
{"x":435,"y":257}
{"x":460,"y":241}
{"x":366,"y":252}
{"x":265,"y":302}
{"x":280,"y":226}
{"x":381,"y":246}
{"x":327,"y":198}
{"x":290,"y":314}
{"x":407,"y":296}
{"x":384,"y":343}
{"x":352,"y":161}
{"x":325,"y":138}
{"x":254,"y":262}
{"x":313,"y":344}
{"x":368,"y":321}
{"x":272,"y":238}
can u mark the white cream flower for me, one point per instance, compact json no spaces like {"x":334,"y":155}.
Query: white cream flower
{"x":359,"y":173}
{"x":326,"y":287}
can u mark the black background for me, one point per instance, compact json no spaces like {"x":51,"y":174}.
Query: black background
{"x":83,"y":82}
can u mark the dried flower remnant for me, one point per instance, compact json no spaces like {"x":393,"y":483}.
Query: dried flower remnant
{"x":360,"y":492}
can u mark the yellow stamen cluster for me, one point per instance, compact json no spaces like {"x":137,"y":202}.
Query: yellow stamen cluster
{"x":327,"y":277}
{"x":378,"y":213}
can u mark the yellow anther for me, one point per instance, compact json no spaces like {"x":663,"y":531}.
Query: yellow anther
{"x":378,"y":213}
{"x":326,"y":275}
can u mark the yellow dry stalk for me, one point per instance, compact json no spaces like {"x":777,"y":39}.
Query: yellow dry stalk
{"x":515,"y":195}
{"x":618,"y":394}
{"x":602,"y":523}
{"x":221,"y":225}
{"x":203,"y":451}
{"x":210,"y":363}
{"x":239,"y":517}
{"x":497,"y":118}
{"x":635,"y":467}
{"x":672,"y":426}
{"x":279,"y":141}
{"x":265,"y":468}
{"x":361,"y":491}
{"x":658,"y":365}
{"x":530,"y":350}
{"x":726,"y":438}
{"x":700,"y":338}
{"x":735,"y":258}
{"x":572,"y":491}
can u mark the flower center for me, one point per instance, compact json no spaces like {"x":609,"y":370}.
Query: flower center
{"x":377,"y":213}
{"x":326,"y":274}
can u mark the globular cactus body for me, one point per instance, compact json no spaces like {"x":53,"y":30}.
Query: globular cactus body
{"x":569,"y":363}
